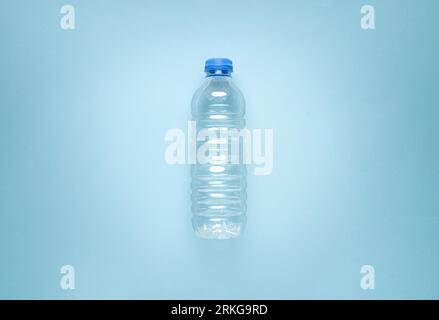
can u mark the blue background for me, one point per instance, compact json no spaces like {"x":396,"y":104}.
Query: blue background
{"x":83,"y":179}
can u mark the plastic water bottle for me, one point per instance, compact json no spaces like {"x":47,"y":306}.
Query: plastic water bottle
{"x":218,"y":186}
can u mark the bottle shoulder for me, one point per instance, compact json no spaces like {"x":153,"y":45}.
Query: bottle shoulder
{"x":218,"y":95}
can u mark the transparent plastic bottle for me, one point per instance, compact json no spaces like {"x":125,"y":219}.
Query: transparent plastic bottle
{"x":218,"y":186}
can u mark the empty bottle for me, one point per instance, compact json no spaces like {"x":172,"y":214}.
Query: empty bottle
{"x":219,"y":181}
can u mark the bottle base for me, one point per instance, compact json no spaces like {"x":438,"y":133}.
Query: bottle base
{"x":219,"y":228}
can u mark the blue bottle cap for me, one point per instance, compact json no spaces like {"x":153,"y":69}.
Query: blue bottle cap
{"x":218,"y":65}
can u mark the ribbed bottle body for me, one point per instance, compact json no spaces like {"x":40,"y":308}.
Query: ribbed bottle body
{"x":219,"y":175}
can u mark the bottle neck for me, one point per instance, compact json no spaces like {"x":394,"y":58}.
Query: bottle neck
{"x":218,"y":73}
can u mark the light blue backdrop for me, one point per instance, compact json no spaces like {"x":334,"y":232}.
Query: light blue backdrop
{"x":83,"y":180}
